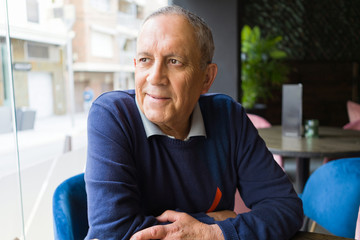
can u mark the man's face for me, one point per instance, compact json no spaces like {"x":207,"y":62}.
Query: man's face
{"x":168,"y":74}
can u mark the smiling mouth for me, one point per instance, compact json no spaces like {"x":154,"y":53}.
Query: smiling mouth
{"x":157,"y":97}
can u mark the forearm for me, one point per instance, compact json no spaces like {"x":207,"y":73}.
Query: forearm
{"x":278,"y":220}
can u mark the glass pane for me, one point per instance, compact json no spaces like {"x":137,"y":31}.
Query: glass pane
{"x":10,"y":202}
{"x":56,"y":78}
{"x":51,"y":135}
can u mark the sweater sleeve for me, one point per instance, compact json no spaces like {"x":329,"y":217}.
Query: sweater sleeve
{"x":276,"y":211}
{"x":114,"y":206}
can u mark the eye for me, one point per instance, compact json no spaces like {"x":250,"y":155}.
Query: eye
{"x":175,"y":62}
{"x":144,"y":60}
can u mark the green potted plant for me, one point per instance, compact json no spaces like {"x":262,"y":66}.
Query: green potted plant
{"x":261,"y":67}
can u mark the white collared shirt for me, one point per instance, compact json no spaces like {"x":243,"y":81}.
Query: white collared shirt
{"x":197,"y":124}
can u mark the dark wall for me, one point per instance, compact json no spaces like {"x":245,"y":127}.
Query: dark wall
{"x":323,"y":52}
{"x":222,"y":19}
{"x":327,"y":86}
{"x":322,"y":41}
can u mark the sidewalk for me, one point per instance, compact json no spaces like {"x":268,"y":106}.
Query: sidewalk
{"x":42,"y":143}
{"x":44,"y":165}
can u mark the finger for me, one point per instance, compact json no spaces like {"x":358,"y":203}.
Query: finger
{"x":154,"y":232}
{"x":169,"y":216}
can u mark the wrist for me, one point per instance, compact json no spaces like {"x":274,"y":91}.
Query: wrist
{"x":216,"y":232}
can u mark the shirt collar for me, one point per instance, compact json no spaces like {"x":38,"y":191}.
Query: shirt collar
{"x":197,"y":124}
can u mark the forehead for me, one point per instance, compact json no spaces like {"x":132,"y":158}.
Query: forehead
{"x":167,"y":31}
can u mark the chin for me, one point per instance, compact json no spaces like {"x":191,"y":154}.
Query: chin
{"x":154,"y":116}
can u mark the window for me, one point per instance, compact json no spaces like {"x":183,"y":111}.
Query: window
{"x":101,"y":5}
{"x":38,"y":51}
{"x":140,"y":12}
{"x":127,"y":7}
{"x":32,"y":11}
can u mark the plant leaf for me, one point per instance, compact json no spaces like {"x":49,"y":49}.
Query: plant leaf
{"x":277,"y":54}
{"x":245,"y":33}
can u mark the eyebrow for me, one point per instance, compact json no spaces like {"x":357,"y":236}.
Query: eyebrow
{"x":182,"y":58}
{"x":143,"y":54}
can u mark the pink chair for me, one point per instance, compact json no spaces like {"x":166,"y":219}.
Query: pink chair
{"x":258,"y":122}
{"x":353,"y":125}
{"x":353,"y":110}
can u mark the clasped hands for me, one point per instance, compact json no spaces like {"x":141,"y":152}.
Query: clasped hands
{"x":184,"y":226}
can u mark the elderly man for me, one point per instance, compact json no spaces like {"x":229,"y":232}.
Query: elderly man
{"x":165,"y":160}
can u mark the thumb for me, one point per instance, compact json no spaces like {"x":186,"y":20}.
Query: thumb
{"x":169,"y":216}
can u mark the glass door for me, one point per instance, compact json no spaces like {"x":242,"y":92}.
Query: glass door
{"x":11,"y":218}
{"x":47,"y":68}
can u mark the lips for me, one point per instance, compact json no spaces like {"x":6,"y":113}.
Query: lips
{"x":157,"y":97}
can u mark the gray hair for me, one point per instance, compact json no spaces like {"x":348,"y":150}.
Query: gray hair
{"x":201,"y":30}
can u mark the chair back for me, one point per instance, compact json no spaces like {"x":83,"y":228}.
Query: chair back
{"x":70,"y":209}
{"x":331,"y":196}
{"x":259,"y":122}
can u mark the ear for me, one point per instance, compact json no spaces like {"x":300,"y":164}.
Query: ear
{"x":211,"y":71}
{"x":134,"y":62}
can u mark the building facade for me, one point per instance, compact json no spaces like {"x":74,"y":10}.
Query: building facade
{"x":104,"y":45}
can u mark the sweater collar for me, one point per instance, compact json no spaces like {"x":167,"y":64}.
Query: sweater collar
{"x":197,"y":124}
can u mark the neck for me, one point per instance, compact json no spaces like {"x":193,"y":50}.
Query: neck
{"x":180,"y":131}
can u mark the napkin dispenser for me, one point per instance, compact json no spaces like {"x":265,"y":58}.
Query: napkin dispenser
{"x":291,"y":119}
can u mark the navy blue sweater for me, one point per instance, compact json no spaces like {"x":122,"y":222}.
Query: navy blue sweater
{"x":130,"y":178}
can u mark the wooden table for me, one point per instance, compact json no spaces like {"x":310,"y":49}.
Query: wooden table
{"x":331,"y":143}
{"x":316,"y":236}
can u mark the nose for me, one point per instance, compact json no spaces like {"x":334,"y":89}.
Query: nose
{"x":157,"y":74}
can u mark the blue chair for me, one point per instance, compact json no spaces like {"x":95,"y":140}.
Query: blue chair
{"x":70,"y":209}
{"x":331,"y":196}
